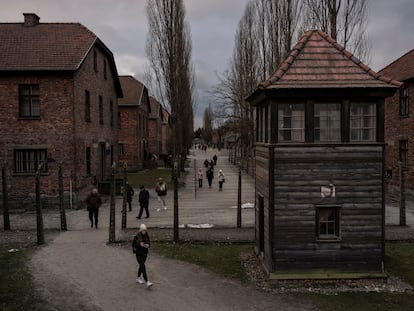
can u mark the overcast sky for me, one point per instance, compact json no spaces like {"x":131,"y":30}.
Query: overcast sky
{"x":122,"y":26}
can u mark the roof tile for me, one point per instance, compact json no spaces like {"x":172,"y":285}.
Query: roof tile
{"x":318,"y":61}
{"x":402,"y":68}
{"x":46,"y":46}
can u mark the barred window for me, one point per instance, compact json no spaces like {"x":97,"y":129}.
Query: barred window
{"x":29,"y":101}
{"x":404,"y":102}
{"x":27,"y":161}
{"x":111,"y":116}
{"x":328,"y":223}
{"x":101,"y":112}
{"x":87,"y":106}
{"x":88,"y":161}
{"x":403,"y":153}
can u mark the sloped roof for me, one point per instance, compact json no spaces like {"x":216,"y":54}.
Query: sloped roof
{"x":156,"y":109}
{"x":317,"y":61}
{"x":46,"y":46}
{"x":401,"y":69}
{"x":132,"y":89}
{"x":49,"y":47}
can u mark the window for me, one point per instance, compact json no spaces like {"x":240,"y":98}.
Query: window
{"x":29,"y":101}
{"x":119,"y":119}
{"x":101,"y":120}
{"x":403,"y":151}
{"x":104,"y":69}
{"x":327,"y":122}
{"x":87,"y":106}
{"x":328,"y":223}
{"x":404,"y":102}
{"x":291,"y":122}
{"x":111,"y":116}
{"x":95,"y":61}
{"x":121,"y":149}
{"x":27,"y":161}
{"x":363,"y":122}
{"x":88,"y":161}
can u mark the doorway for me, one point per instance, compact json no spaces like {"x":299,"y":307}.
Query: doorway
{"x":102,"y":161}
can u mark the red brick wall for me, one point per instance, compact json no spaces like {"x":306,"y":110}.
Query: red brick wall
{"x":61,"y":129}
{"x":399,"y":128}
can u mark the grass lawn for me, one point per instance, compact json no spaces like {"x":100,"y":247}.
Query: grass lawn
{"x":224,"y":259}
{"x":148,"y":178}
{"x":220,"y":258}
{"x":16,"y":287}
{"x":399,"y":262}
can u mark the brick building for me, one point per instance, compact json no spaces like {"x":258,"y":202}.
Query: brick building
{"x":399,"y":125}
{"x":166,"y":133}
{"x":155,"y":128}
{"x":58,"y":104}
{"x":134,"y":110}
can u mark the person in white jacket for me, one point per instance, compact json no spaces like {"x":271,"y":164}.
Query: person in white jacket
{"x":220,"y":180}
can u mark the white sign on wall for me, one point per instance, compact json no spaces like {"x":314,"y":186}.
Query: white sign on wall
{"x":328,"y":191}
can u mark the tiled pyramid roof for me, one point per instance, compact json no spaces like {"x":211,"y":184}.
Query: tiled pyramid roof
{"x":318,"y":61}
{"x":402,"y":68}
{"x":46,"y":46}
{"x":132,"y":90}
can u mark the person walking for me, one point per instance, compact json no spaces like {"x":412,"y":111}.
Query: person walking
{"x":143,"y":199}
{"x":161,"y":190}
{"x":210,"y":176}
{"x":221,"y":180}
{"x":93,"y":203}
{"x":200,"y":177}
{"x":130,"y":194}
{"x":215,"y":159}
{"x":140,"y":245}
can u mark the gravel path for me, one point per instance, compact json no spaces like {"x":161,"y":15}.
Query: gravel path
{"x":79,"y":271}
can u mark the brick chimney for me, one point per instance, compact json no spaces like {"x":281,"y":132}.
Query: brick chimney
{"x":31,"y":19}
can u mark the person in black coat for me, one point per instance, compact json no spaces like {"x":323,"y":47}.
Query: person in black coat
{"x":93,"y":203}
{"x":140,"y":245}
{"x":143,"y":199}
{"x":210,"y":176}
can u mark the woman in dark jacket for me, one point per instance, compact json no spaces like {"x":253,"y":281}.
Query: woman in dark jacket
{"x":140,"y":245}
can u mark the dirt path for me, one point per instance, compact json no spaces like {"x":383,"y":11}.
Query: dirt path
{"x":78,"y":271}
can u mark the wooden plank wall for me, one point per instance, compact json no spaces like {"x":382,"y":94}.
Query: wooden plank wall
{"x":357,"y":173}
{"x":262,"y":188}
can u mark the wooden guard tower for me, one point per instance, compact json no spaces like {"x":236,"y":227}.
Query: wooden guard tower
{"x":320,"y":203}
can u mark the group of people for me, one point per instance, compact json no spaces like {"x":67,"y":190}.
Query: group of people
{"x":209,"y":165}
{"x":141,"y":241}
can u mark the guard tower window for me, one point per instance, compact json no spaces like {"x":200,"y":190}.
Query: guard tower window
{"x":363,"y":122}
{"x":291,"y":122}
{"x":327,"y":122}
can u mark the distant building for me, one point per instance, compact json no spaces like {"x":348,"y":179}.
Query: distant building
{"x":320,"y":153}
{"x":58,"y":104}
{"x":133,"y":135}
{"x":155,"y":128}
{"x":399,"y":125}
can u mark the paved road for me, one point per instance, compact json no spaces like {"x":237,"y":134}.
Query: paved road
{"x":79,"y":271}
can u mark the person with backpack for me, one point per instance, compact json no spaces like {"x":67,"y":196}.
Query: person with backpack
{"x":140,"y":246}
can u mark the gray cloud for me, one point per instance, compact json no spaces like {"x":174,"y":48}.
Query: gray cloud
{"x":122,"y":26}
